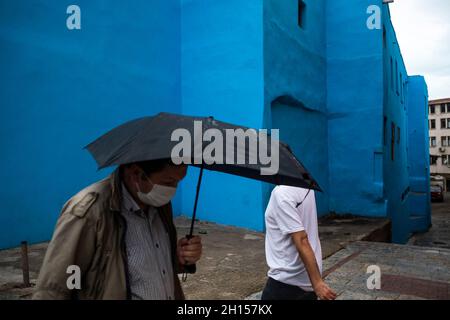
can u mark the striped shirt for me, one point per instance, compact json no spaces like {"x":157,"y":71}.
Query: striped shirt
{"x":150,"y":269}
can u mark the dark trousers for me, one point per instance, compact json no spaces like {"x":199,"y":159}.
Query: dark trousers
{"x":276,"y":290}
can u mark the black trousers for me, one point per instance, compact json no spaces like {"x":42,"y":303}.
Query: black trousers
{"x":276,"y":290}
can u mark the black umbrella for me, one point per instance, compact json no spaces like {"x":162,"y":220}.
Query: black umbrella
{"x":150,"y":138}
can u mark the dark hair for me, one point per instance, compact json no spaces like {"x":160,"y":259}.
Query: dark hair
{"x":151,"y":166}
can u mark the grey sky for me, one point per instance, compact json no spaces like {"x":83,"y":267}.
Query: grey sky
{"x":423,"y":32}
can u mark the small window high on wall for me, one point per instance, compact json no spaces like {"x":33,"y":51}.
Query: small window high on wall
{"x":392,"y":141}
{"x":301,"y":14}
{"x":392,"y":74}
{"x":396,"y":77}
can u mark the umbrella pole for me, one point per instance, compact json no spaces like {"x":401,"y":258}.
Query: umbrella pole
{"x":189,"y":236}
{"x":196,"y":202}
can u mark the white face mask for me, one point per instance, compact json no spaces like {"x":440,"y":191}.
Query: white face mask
{"x":158,"y":196}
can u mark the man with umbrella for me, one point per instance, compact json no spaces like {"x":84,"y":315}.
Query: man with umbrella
{"x":120,"y":234}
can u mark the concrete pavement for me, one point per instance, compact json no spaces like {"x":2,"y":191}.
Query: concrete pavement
{"x":233,"y":264}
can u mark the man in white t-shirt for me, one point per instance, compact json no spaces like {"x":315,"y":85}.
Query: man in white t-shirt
{"x":293,"y":250}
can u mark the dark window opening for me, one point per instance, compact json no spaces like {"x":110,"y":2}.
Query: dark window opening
{"x":432,"y":109}
{"x":404,"y":92}
{"x":401,"y":88}
{"x":442,"y":108}
{"x":396,"y":77}
{"x":433,"y":160}
{"x":392,"y":74}
{"x":301,"y":14}
{"x":443,"y":124}
{"x":392,"y":141}
{"x":433,"y":124}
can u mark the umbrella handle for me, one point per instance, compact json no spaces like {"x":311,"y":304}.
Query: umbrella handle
{"x":184,"y":277}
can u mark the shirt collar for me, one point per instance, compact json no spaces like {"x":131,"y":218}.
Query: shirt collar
{"x":128,"y":202}
{"x":130,"y":205}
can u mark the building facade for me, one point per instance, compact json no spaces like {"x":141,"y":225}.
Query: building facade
{"x":338,"y":91}
{"x":439,"y":125}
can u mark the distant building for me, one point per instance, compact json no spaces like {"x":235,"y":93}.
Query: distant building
{"x":439,"y":126}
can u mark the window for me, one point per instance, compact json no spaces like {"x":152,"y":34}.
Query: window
{"x":433,"y":160}
{"x":392,"y":141}
{"x":443,"y":141}
{"x":301,"y":14}
{"x":443,"y":124}
{"x":448,"y":123}
{"x":432,"y":124}
{"x":432,"y":109}
{"x":396,"y":77}
{"x":392,"y":74}
{"x":442,"y":108}
{"x":444,"y":160}
{"x":401,"y":88}
{"x":404,"y":91}
{"x":433,"y":142}
{"x":448,"y":107}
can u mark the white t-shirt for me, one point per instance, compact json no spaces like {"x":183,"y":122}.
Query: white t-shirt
{"x":282,"y":219}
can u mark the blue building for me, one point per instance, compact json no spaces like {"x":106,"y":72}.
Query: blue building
{"x":418,"y":155}
{"x":338,"y":91}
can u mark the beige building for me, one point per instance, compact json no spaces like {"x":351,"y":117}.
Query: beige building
{"x":439,"y":124}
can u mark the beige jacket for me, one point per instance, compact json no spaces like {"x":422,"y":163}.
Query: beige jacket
{"x":90,"y":234}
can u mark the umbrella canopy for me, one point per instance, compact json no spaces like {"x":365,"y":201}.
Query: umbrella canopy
{"x":152,"y":138}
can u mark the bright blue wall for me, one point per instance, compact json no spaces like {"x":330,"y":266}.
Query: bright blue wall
{"x":396,"y":175}
{"x":222,"y":76}
{"x":355,"y":106}
{"x":418,"y":155}
{"x":60,"y":89}
{"x":295,"y":85}
{"x":326,"y":86}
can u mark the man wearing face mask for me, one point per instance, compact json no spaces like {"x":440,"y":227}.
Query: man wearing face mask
{"x":116,"y":239}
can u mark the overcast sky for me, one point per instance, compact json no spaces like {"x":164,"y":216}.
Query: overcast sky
{"x":423,"y":32}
